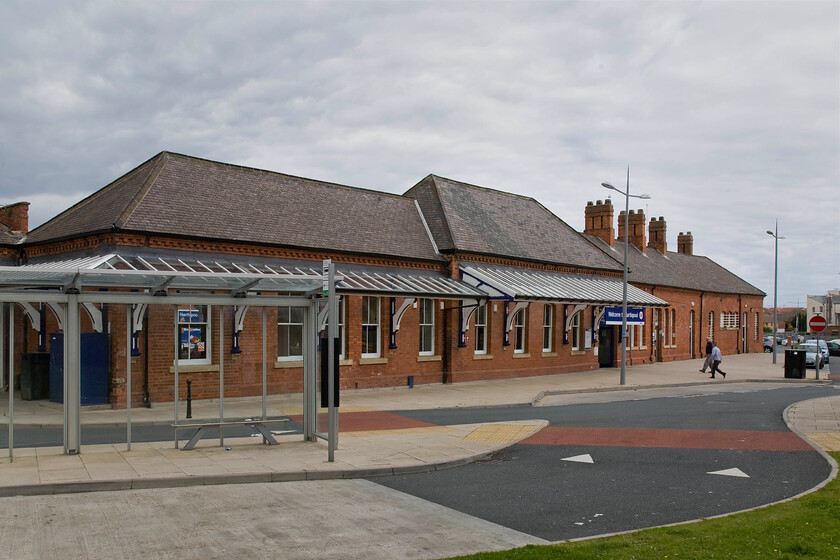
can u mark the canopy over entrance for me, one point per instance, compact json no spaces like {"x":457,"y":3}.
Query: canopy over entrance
{"x":521,"y":284}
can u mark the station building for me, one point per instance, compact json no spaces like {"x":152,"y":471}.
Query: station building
{"x":448,"y":282}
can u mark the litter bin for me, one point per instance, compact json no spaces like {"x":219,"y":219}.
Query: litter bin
{"x":795,"y":364}
{"x":35,"y":376}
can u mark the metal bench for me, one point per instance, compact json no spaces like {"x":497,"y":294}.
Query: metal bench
{"x":260,"y":425}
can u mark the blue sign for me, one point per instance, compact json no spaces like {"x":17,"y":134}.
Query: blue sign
{"x":188,"y":316}
{"x":635,"y":316}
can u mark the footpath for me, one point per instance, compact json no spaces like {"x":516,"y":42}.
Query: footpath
{"x":372,"y":439}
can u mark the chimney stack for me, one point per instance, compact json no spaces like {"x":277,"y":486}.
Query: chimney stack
{"x":636,"y":222}
{"x":656,"y":230}
{"x":599,"y":221}
{"x":685,"y":243}
{"x":16,"y":216}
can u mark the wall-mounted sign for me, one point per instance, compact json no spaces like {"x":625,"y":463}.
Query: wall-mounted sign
{"x":188,"y":316}
{"x":635,"y":316}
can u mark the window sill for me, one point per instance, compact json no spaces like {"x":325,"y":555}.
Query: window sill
{"x":371,"y":361}
{"x":345,"y":362}
{"x":429,"y":358}
{"x":521,"y":355}
{"x":196,"y":368}
{"x":578,"y":352}
{"x":549,"y":354}
{"x":288,"y":364}
{"x":482,"y":356}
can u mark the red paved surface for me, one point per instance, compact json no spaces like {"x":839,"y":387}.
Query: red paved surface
{"x":368,"y":421}
{"x":685,"y":439}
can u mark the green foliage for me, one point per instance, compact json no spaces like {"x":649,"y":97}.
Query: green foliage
{"x":807,"y":528}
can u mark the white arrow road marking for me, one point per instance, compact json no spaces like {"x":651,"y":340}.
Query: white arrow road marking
{"x":580,"y":459}
{"x":731,"y":472}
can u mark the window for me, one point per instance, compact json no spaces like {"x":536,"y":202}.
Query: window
{"x":666,"y":332}
{"x":481,"y":329}
{"x":548,"y":320}
{"x":637,"y":335}
{"x":576,"y":331}
{"x":728,"y":320}
{"x":519,"y":332}
{"x":370,"y":327}
{"x":194,"y":334}
{"x":755,"y":326}
{"x":341,"y":327}
{"x":427,"y":327}
{"x":712,"y":325}
{"x":673,"y":327}
{"x":290,"y":333}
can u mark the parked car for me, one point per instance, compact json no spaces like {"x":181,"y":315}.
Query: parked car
{"x":823,"y":347}
{"x":768,"y":344}
{"x":812,"y":355}
{"x":834,"y":347}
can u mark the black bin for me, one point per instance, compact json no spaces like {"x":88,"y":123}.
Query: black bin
{"x":795,"y":364}
{"x":35,"y":376}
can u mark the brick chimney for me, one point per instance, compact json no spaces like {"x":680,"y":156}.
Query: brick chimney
{"x":637,"y":228}
{"x":656,"y":231}
{"x":685,"y":243}
{"x":599,"y":221}
{"x":16,"y":216}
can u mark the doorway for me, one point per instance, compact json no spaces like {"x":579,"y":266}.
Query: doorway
{"x":606,"y":345}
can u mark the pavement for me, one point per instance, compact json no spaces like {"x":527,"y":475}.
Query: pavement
{"x":372,"y":441}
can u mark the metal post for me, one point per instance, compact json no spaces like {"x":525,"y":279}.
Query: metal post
{"x":332,"y":333}
{"x":128,"y":324}
{"x":189,"y":398}
{"x":264,"y":370}
{"x":72,"y":376}
{"x":776,"y":290}
{"x":221,"y":373}
{"x":624,"y":288}
{"x":11,"y":379}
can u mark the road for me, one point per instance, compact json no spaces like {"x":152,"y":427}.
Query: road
{"x":645,"y":471}
{"x":626,"y":464}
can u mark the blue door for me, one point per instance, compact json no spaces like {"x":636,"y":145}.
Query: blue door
{"x":94,"y":357}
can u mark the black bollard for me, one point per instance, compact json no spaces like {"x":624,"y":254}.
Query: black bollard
{"x":189,"y":398}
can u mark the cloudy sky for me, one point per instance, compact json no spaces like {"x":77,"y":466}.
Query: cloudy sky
{"x":727,"y":113}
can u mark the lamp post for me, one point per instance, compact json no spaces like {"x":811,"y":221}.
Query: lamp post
{"x":627,"y":196}
{"x":775,"y":286}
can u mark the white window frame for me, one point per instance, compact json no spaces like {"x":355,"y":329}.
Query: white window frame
{"x":290,"y":325}
{"x":427,"y":325}
{"x":519,"y":332}
{"x":341,"y":327}
{"x":755,"y":318}
{"x":673,"y":328}
{"x":208,"y":324}
{"x":480,"y":319}
{"x":728,"y":320}
{"x":712,"y":325}
{"x":372,"y":324}
{"x":548,"y":327}
{"x":576,"y":331}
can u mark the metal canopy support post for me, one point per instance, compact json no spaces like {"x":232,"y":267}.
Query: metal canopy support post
{"x":177,"y":339}
{"x":221,"y":375}
{"x":264,"y":370}
{"x":11,"y":376}
{"x":310,"y":361}
{"x":72,"y":376}
{"x":128,"y":323}
{"x":332,"y":332}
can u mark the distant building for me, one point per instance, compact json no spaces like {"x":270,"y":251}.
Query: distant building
{"x":448,"y":282}
{"x":828,"y":307}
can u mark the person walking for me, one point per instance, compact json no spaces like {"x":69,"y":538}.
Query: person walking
{"x":717,"y":358}
{"x":708,"y":362}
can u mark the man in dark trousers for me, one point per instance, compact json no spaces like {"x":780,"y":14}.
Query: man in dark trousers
{"x":716,"y":360}
{"x":708,"y":362}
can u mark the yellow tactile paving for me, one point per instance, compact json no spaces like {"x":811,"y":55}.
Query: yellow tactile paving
{"x":399,"y":431}
{"x":500,"y":433}
{"x":830,"y":441}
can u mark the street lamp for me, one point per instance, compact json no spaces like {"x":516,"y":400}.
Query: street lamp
{"x":775,"y":286}
{"x":627,"y":196}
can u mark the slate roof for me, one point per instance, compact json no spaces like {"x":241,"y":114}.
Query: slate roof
{"x":174,"y":194}
{"x":473,"y":219}
{"x":677,"y":270}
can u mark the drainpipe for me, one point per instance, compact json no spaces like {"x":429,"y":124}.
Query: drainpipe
{"x":147,"y":401}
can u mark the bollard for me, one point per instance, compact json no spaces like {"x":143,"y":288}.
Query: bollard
{"x":189,"y":399}
{"x":411,"y":382}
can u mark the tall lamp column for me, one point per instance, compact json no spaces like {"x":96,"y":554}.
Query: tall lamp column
{"x":624,"y":333}
{"x":775,"y":286}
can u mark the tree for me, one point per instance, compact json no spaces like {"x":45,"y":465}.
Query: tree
{"x":793,"y":324}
